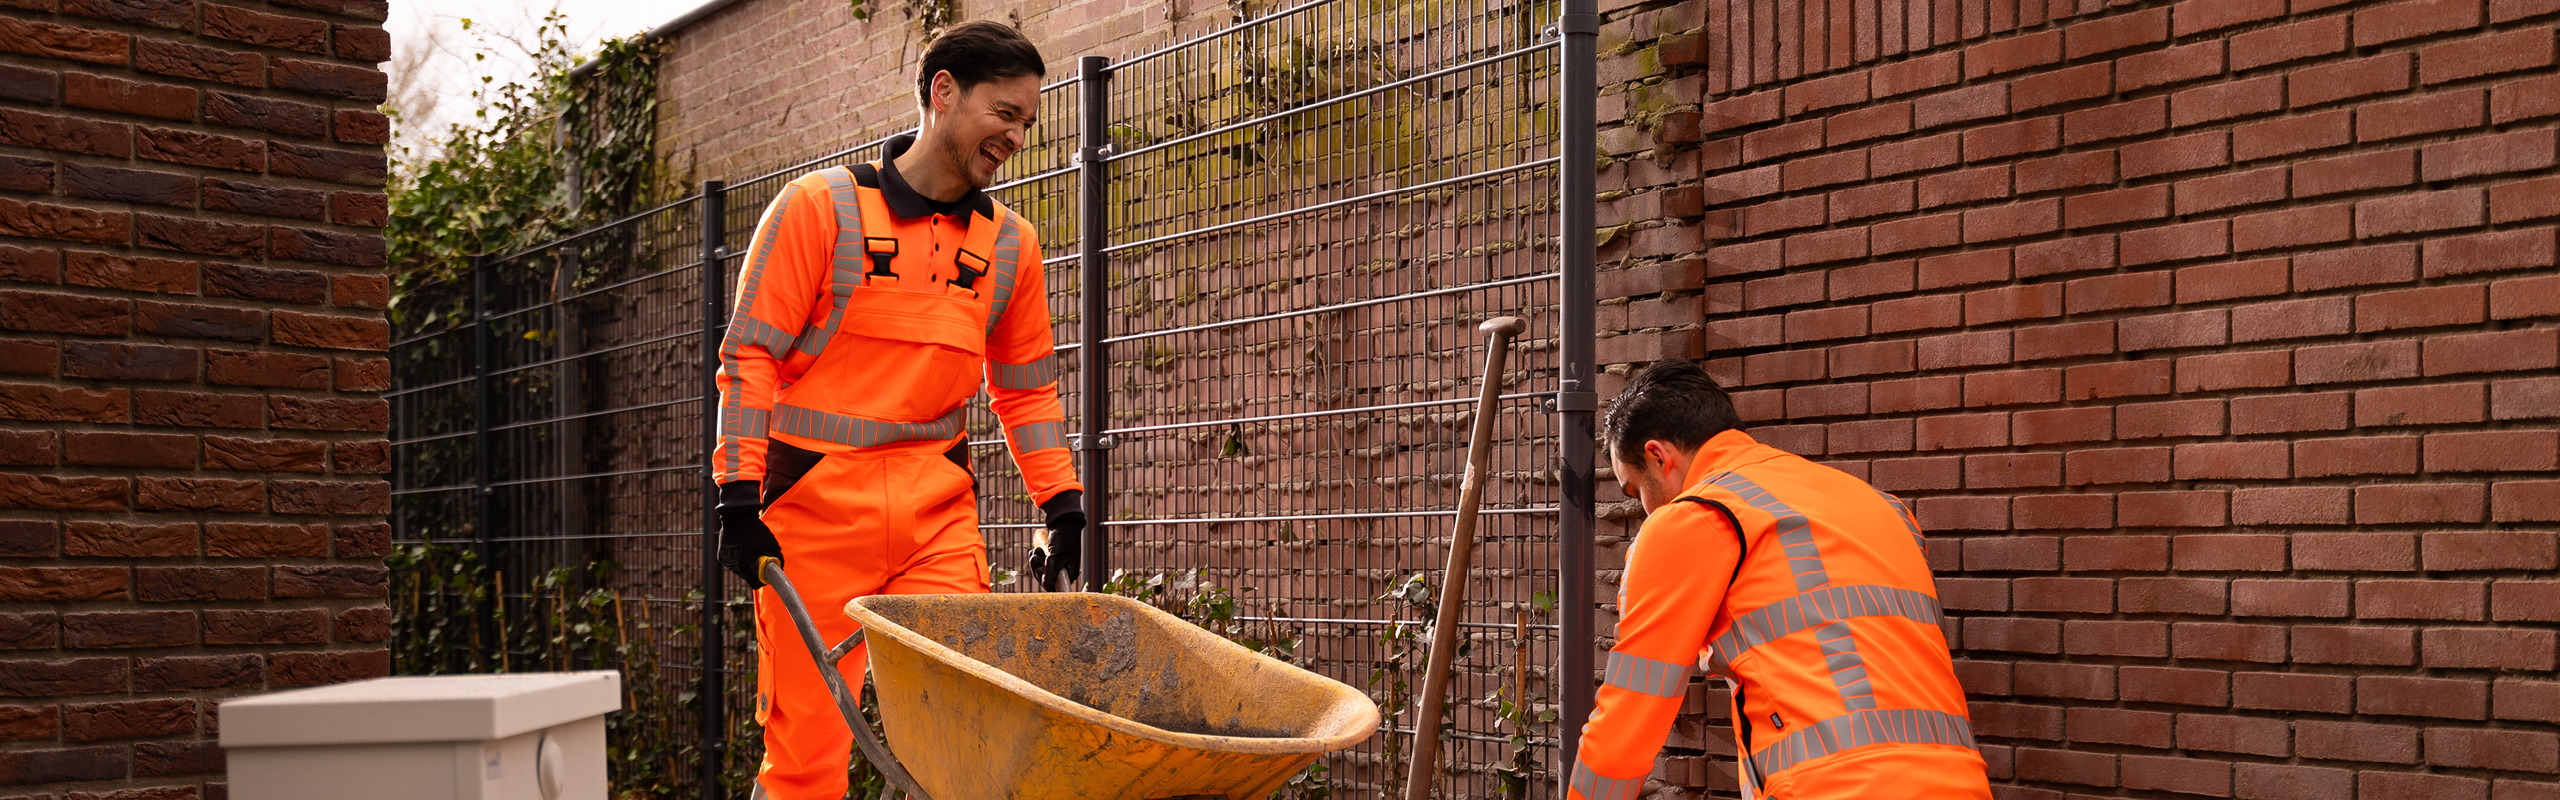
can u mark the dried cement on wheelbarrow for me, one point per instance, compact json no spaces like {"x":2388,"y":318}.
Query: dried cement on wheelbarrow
{"x":1095,"y":670}
{"x":1082,"y":696}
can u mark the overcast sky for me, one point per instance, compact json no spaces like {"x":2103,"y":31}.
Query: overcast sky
{"x":447,"y":69}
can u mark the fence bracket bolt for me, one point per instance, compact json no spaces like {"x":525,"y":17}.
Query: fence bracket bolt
{"x":1075,"y":441}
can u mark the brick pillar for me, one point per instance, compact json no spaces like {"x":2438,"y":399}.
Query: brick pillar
{"x":191,"y":361}
{"x":2213,"y":343}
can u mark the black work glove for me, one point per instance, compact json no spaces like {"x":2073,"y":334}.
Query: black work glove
{"x":744,"y":540}
{"x":1056,"y":566}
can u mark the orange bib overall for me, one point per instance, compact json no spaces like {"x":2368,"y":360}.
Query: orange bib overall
{"x":1809,"y":588}
{"x":864,"y":321}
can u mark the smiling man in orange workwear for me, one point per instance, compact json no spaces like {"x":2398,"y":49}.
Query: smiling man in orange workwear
{"x":873,"y":302}
{"x":1801,"y":583}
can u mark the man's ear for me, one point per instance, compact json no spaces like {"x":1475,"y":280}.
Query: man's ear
{"x":1659,"y":451}
{"x":946,"y":92}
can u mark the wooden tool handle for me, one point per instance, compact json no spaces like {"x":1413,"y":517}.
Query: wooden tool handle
{"x":1424,"y":769}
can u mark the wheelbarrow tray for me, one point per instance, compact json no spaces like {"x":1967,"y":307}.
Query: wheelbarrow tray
{"x":1075,"y":696}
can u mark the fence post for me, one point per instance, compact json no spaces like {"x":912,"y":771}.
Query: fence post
{"x":1093,"y":361}
{"x":1577,"y":396}
{"x":715,"y":739}
{"x":483,"y":496}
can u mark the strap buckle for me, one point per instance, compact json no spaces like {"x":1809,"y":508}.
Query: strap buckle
{"x":971,"y":268}
{"x":881,"y":249}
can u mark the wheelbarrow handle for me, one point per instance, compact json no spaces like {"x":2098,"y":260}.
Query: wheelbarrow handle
{"x":826,"y":657}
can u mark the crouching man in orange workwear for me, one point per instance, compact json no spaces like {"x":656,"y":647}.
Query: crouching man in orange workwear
{"x":872,"y":303}
{"x":1801,"y":583}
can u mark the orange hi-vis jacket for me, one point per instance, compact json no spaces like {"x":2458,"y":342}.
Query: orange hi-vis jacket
{"x":865,"y":319}
{"x":1807,"y":587}
{"x":859,"y":325}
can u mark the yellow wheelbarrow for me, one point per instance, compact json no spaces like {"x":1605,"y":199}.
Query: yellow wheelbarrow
{"x":1074,"y":696}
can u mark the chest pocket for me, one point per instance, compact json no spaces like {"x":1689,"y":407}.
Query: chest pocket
{"x":901,"y":335}
{"x":909,"y":355}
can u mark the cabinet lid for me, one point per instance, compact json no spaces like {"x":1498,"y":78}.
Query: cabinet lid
{"x":433,"y":708}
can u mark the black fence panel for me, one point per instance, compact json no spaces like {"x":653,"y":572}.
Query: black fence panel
{"x":1301,"y":221}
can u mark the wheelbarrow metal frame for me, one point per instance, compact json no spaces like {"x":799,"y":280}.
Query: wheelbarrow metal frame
{"x":827,"y":658}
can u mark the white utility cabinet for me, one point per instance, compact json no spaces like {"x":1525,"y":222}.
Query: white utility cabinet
{"x":533,"y":736}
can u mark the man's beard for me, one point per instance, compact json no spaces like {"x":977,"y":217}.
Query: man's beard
{"x":965,"y":155}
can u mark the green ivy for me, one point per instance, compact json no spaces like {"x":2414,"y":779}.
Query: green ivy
{"x":560,"y":151}
{"x":565,"y":149}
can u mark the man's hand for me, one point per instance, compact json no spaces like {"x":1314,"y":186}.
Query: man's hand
{"x":1057,"y":560}
{"x":745,"y":541}
{"x":1057,"y":554}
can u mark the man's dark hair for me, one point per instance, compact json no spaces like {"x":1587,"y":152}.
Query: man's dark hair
{"x":977,"y":52}
{"x":1673,"y":401}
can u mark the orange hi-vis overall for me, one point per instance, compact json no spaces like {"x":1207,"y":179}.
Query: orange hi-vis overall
{"x":1808,"y":588}
{"x":864,"y":322}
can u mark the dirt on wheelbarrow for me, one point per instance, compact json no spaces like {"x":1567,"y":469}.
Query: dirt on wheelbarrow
{"x":1205,"y":729}
{"x":971,"y":691}
{"x":1105,"y":665}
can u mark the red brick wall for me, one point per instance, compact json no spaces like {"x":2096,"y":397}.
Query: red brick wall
{"x":2214,"y":341}
{"x":763,"y":84}
{"x":191,"y":337}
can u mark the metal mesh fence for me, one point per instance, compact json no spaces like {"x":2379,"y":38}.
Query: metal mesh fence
{"x":1309,"y":216}
{"x":548,"y":414}
{"x":1306,"y":217}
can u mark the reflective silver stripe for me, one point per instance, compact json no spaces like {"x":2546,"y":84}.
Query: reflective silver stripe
{"x":1646,"y":676}
{"x":1006,"y":267}
{"x":1804,"y":558}
{"x":849,"y":263}
{"x":1821,"y":607}
{"x":1040,"y":372}
{"x":737,"y":424}
{"x":746,"y":330}
{"x":731,"y":452}
{"x":1595,"y":786}
{"x":1909,"y":522}
{"x":1858,"y":729}
{"x":859,"y":432}
{"x":1848,"y":669}
{"x":1795,"y":533}
{"x":1038,"y":436}
{"x":771,"y":229}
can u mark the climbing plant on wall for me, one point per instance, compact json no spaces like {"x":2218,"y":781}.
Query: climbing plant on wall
{"x":567,"y":148}
{"x":560,"y":150}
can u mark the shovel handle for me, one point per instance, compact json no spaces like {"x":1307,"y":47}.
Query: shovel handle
{"x":826,"y":658}
{"x":1425,"y":767}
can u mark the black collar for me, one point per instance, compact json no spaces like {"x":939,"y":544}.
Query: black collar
{"x":903,"y":200}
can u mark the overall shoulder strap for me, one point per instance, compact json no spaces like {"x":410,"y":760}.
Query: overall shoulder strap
{"x":845,"y":269}
{"x":972,"y":261}
{"x":880,"y":241}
